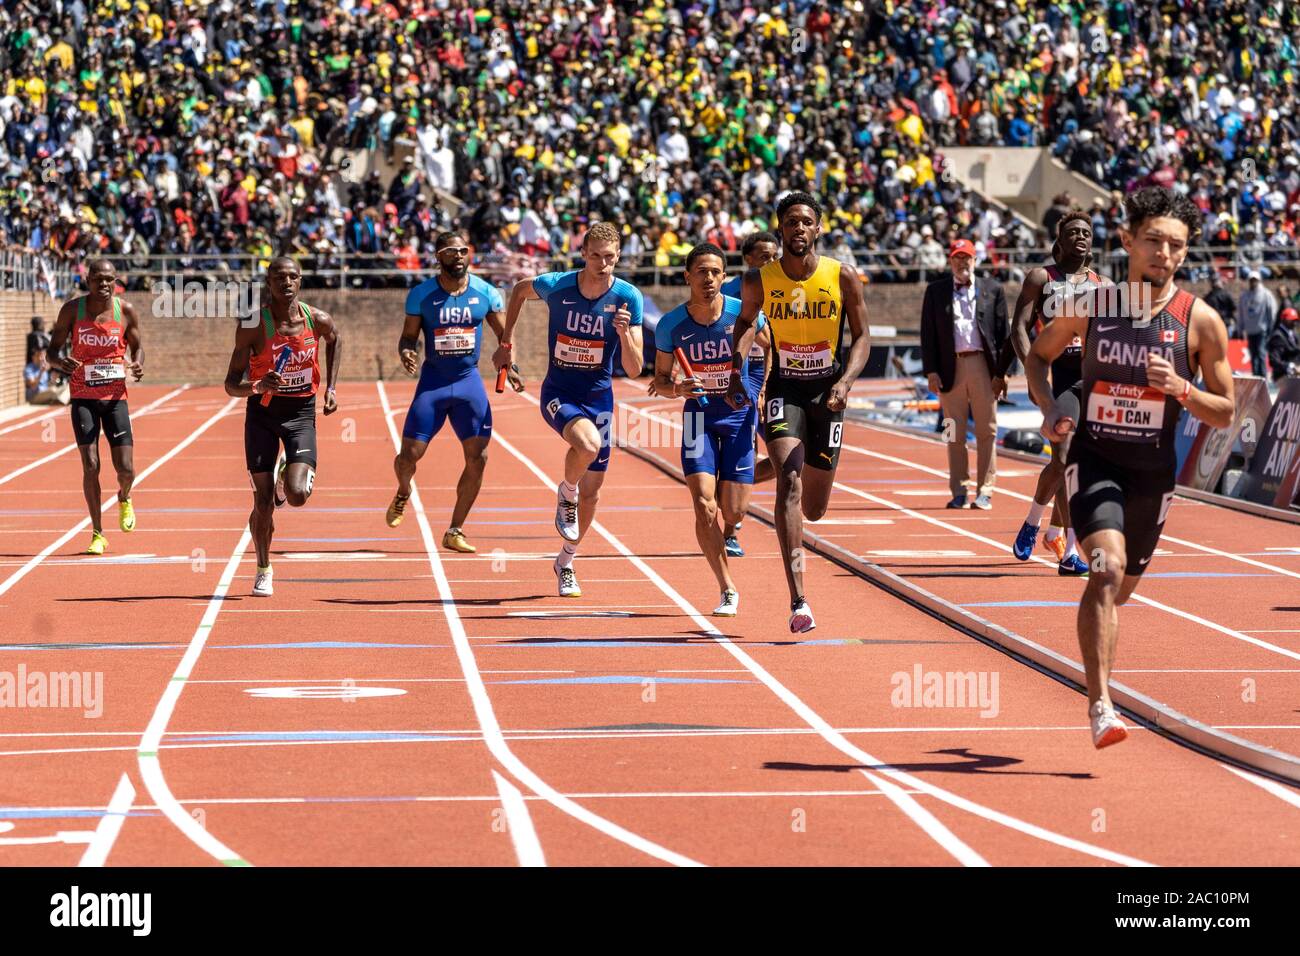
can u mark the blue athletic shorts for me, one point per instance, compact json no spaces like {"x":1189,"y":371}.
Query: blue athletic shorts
{"x":721,"y":446}
{"x":464,"y":401}
{"x":559,"y":408}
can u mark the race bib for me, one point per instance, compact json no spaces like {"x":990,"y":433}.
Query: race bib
{"x":588,"y":353}
{"x":100,"y":372}
{"x":806,"y":361}
{"x":297,"y":379}
{"x":454,"y":340}
{"x":714,"y":377}
{"x":1126,"y":411}
{"x":756,"y":353}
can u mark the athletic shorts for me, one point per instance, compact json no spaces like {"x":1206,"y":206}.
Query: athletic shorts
{"x":559,"y":408}
{"x":722,"y":445}
{"x":1107,"y":496}
{"x":1065,"y":375}
{"x":795,"y":411}
{"x":464,"y":402}
{"x":88,"y":414}
{"x":291,"y":421}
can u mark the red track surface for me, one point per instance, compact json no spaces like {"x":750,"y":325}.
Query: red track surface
{"x":793,"y":754}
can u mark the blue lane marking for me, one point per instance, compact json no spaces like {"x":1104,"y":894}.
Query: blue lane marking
{"x":1206,"y":574}
{"x":310,"y":644}
{"x":622,"y":679}
{"x":1024,"y":604}
{"x":46,"y":813}
{"x":359,"y":736}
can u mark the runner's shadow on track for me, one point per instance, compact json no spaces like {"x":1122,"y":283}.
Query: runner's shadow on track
{"x":971,"y":763}
{"x":965,"y":574}
{"x":458,"y":602}
{"x":132,"y":598}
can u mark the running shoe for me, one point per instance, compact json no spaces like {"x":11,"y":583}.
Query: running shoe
{"x":801,"y":618}
{"x":281,"y":464}
{"x":1107,"y":729}
{"x":125,"y":516}
{"x":566,"y":516}
{"x":1026,"y":538}
{"x":734,"y":550}
{"x":98,"y":544}
{"x":958,"y":501}
{"x":1056,"y":546}
{"x":455,"y":540}
{"x":568,"y":581}
{"x":396,"y":510}
{"x":983,"y":503}
{"x":730,"y":604}
{"x":1073,"y":566}
{"x":262,"y":583}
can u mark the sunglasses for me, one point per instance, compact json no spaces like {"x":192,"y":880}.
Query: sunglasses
{"x":454,"y":250}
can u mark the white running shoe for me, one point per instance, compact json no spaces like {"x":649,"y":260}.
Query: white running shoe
{"x":801,"y":618}
{"x":262,"y":584}
{"x":566,"y":516}
{"x":568,"y":581}
{"x":730,"y":604}
{"x":1107,"y":729}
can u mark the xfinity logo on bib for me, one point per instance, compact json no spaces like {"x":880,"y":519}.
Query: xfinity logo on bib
{"x":103,"y":909}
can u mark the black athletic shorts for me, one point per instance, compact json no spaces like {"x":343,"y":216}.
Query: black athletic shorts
{"x":797,"y":411}
{"x":288,"y":420}
{"x":89,"y":413}
{"x":1105,"y":495}
{"x":1066,"y":375}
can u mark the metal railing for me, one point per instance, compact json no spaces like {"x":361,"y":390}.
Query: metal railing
{"x":24,"y":270}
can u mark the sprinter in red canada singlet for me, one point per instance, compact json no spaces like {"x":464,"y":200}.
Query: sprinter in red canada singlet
{"x":280,"y":352}
{"x":102,"y":329}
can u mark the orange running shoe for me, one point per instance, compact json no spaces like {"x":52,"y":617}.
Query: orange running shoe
{"x":1056,"y":545}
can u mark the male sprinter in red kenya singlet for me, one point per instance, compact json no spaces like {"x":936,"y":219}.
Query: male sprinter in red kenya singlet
{"x":289,"y":417}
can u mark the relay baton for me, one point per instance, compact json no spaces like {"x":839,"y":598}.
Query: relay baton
{"x":689,"y":373}
{"x":280,"y":362}
{"x":501,"y":378}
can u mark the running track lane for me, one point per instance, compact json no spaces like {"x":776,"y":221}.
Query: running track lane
{"x":1208,"y":633}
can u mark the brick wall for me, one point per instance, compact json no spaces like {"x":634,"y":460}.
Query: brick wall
{"x":16,"y":311}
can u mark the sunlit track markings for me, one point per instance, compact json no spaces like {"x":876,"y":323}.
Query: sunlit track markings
{"x":813,"y":719}
{"x":110,"y":824}
{"x":1285,"y":794}
{"x":84,"y":523}
{"x":482,"y":703}
{"x":5,"y":479}
{"x":31,"y":421}
{"x":1204,"y":548}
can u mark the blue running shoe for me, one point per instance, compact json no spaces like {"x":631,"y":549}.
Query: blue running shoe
{"x":1072,"y":567}
{"x":734,"y":550}
{"x":1025,"y":541}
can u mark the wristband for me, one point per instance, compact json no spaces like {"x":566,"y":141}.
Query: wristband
{"x":509,"y":346}
{"x":1187,"y":391}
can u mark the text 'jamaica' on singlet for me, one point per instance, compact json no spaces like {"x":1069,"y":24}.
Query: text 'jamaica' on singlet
{"x":1125,"y":419}
{"x":805,"y":319}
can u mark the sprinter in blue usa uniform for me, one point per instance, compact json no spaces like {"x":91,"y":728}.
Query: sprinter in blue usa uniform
{"x":758,"y":250}
{"x":717,"y":440}
{"x":593,"y":317}
{"x":450,"y":309}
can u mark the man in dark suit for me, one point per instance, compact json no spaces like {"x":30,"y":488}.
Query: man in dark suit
{"x":963,"y":337}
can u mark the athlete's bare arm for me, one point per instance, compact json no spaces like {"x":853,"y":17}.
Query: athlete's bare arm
{"x":248,"y":339}
{"x":59,"y":338}
{"x":520,"y":293}
{"x":409,"y":344}
{"x":131,"y":332}
{"x":326,"y":329}
{"x":1207,"y":348}
{"x":496,"y":321}
{"x":1023,"y":316}
{"x":663,"y":381}
{"x":855,"y":310}
{"x":751,"y":303}
{"x":1051,"y":342}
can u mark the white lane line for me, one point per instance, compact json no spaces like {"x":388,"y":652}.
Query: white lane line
{"x":31,"y":421}
{"x":1282,"y":793}
{"x":482,"y":703}
{"x":110,"y":824}
{"x":519,"y":824}
{"x":1002,"y":546}
{"x":815,"y":720}
{"x":80,"y":526}
{"x":71,"y":447}
{"x":923,"y":818}
{"x":1204,"y":548}
{"x":147,"y":751}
